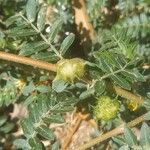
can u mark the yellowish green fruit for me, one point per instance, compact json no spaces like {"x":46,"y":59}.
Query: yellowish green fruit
{"x":106,"y":108}
{"x":70,"y":69}
{"x":132,"y":105}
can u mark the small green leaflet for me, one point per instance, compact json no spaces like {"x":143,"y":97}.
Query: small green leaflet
{"x":45,"y":132}
{"x":30,"y":99}
{"x":105,"y":65}
{"x":121,"y":81}
{"x":67,"y":42}
{"x":11,"y":20}
{"x":27,"y":127}
{"x":130,"y":137}
{"x":54,"y":30}
{"x":54,"y":119}
{"x":145,"y":136}
{"x":28,"y":89}
{"x":133,"y":75}
{"x":32,"y":48}
{"x":31,"y":10}
{"x":35,"y":144}
{"x":35,"y":114}
{"x":41,"y":18}
{"x":43,"y":88}
{"x":55,"y":146}
{"x":138,"y":75}
{"x":7,"y":127}
{"x":21,"y":144}
{"x":46,"y":56}
{"x":147,"y":116}
{"x":3,"y":119}
{"x":59,"y":85}
{"x":99,"y":87}
{"x":119,"y":140}
{"x":124,"y":147}
{"x":87,"y":93}
{"x":20,"y":32}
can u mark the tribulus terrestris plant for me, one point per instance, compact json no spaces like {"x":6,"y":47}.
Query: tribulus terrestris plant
{"x":75,"y":74}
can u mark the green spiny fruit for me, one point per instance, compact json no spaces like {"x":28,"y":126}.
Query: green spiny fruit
{"x":106,"y":108}
{"x":70,"y":69}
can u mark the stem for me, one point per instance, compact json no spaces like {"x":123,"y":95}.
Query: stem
{"x":27,"y":61}
{"x":128,"y":95}
{"x":52,"y":67}
{"x":114,"y":132}
{"x":124,"y":93}
{"x":42,"y":36}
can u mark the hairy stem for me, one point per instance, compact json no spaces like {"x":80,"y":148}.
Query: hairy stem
{"x":124,"y":93}
{"x":128,"y":95}
{"x":27,"y":61}
{"x":114,"y":132}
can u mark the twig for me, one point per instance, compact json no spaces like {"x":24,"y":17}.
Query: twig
{"x":75,"y":128}
{"x":69,"y":137}
{"x":128,"y":95}
{"x":124,"y":93}
{"x":114,"y":132}
{"x":27,"y":61}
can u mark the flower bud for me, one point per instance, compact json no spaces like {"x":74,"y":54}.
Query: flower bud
{"x":132,"y":105}
{"x":106,"y":108}
{"x":70,"y":69}
{"x":19,"y":83}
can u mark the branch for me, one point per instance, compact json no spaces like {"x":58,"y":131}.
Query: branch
{"x":27,"y":61}
{"x":124,"y":93}
{"x":128,"y":95}
{"x":52,"y":67}
{"x":114,"y":132}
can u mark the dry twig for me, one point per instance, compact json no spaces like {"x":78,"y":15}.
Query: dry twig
{"x":74,"y":129}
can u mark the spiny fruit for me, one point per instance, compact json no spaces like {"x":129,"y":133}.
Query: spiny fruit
{"x":106,"y":108}
{"x":70,"y":69}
